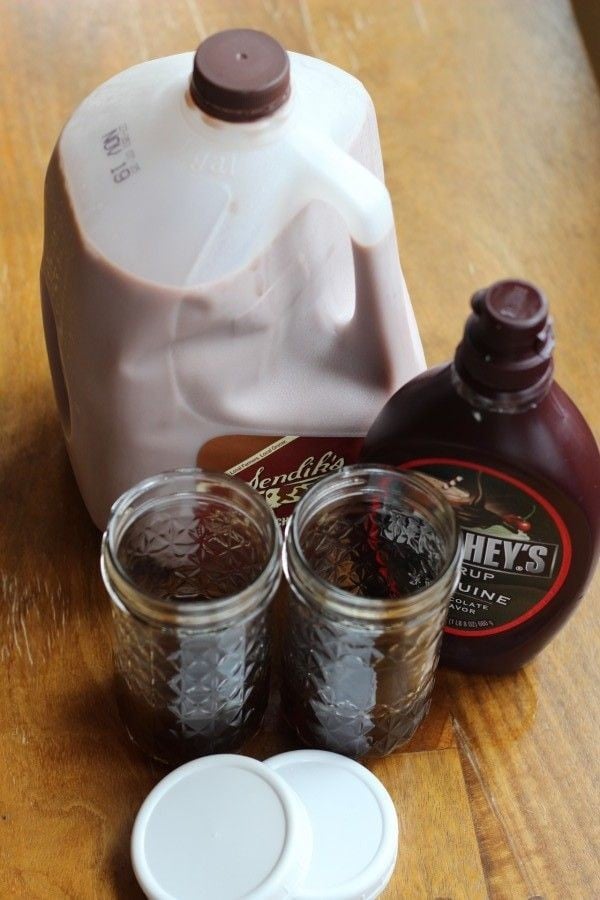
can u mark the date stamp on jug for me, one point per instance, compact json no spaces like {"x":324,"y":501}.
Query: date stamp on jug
{"x":117,"y":147}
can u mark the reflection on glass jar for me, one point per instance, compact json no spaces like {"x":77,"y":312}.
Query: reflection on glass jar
{"x":191,"y":561}
{"x":371,"y":557}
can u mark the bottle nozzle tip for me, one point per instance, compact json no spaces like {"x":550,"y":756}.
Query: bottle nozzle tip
{"x":516,"y":304}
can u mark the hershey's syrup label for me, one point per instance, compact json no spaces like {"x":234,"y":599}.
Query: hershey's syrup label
{"x":517,"y":549}
{"x":281,"y":468}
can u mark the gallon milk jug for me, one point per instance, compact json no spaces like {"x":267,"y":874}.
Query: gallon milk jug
{"x":220,"y":279}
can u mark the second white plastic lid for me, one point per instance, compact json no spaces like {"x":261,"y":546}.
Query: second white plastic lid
{"x":353,"y":820}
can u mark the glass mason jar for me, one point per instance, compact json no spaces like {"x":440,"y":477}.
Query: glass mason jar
{"x":191,"y":562}
{"x":371,"y":557}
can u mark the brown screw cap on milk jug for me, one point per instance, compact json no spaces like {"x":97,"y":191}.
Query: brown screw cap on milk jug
{"x":516,"y":459}
{"x":240,"y":75}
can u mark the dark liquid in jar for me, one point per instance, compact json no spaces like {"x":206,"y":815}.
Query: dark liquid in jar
{"x":352,"y":686}
{"x":380,"y":553}
{"x":184,"y":692}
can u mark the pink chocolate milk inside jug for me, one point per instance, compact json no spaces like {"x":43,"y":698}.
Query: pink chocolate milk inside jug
{"x":220,"y":280}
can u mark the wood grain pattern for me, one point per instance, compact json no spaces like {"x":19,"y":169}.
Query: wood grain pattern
{"x":490,"y":126}
{"x":450,"y":866}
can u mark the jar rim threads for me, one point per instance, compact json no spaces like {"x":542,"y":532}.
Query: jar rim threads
{"x":193,"y":485}
{"x":374,"y":482}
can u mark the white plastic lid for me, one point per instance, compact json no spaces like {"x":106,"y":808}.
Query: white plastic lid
{"x":307,"y":825}
{"x":221,"y":828}
{"x":353,"y":820}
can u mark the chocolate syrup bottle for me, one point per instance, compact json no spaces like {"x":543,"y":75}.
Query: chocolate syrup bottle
{"x":520,"y":466}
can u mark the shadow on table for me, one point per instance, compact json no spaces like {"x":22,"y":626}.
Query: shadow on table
{"x":116,"y":775}
{"x":39,"y":496}
{"x":121,"y":873}
{"x":49,"y":545}
{"x":499,"y":707}
{"x":587,"y":15}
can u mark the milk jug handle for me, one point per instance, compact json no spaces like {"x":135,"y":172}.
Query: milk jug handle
{"x":328,"y":173}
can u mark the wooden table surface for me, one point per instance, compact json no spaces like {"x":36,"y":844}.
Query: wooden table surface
{"x":490,"y":126}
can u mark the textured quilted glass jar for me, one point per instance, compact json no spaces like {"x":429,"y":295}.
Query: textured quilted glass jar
{"x":191,"y":561}
{"x":371,"y":557}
